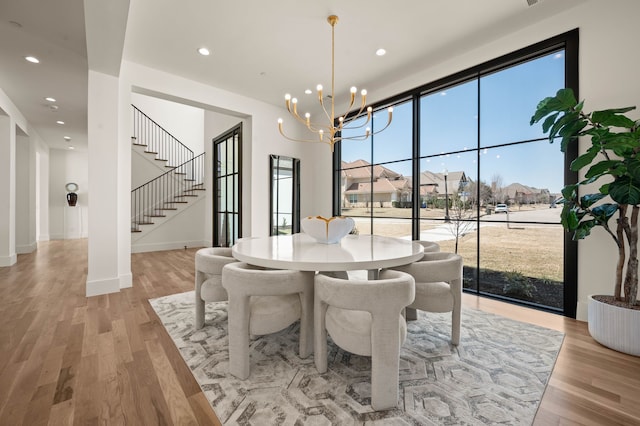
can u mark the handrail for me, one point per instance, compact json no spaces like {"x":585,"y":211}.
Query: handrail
{"x":158,"y":140}
{"x":166,"y":191}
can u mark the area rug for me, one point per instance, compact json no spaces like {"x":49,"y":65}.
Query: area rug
{"x":497,"y":374}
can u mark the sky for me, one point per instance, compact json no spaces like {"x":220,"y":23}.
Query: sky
{"x":456,"y":131}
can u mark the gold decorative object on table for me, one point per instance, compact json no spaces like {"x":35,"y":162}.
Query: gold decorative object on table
{"x":331,"y":132}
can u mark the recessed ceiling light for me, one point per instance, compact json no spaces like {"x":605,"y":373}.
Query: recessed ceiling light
{"x":204,"y":51}
{"x":60,"y":122}
{"x":72,"y":147}
{"x":50,"y":99}
{"x":381,"y":52}
{"x":32,"y":59}
{"x":308,"y":91}
{"x":67,"y":138}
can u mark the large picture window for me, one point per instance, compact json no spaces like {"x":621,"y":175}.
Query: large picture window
{"x":460,"y":165}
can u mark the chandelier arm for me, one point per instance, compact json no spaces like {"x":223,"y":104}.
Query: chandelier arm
{"x":301,"y":140}
{"x":360,"y":126}
{"x":355,"y":138}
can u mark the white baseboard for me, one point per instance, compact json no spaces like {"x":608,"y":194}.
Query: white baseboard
{"x":169,"y":245}
{"x":44,"y":237}
{"x":581,"y":310}
{"x":28,"y":248}
{"x":126,"y":280}
{"x":98,"y":287}
{"x":74,"y":236}
{"x":8,"y":260}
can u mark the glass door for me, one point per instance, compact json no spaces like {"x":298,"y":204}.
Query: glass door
{"x":227,"y":183}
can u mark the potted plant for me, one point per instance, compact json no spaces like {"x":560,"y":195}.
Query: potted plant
{"x":612,"y":164}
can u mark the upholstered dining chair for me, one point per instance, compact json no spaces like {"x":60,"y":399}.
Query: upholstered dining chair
{"x":429,"y":246}
{"x":209,"y":264}
{"x":264,"y":301}
{"x":364,"y":317}
{"x":438,"y":278}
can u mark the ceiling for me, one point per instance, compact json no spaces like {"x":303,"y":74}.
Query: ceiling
{"x":261,"y":49}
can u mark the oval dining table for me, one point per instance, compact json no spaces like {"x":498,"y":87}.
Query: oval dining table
{"x":302,"y":253}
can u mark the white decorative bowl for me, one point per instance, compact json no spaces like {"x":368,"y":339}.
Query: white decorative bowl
{"x":327,"y":231}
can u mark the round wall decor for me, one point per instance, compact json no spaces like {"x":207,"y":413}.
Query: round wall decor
{"x":71,"y":187}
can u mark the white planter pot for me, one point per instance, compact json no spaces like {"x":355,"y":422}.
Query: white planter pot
{"x":614,"y":327}
{"x":327,"y":230}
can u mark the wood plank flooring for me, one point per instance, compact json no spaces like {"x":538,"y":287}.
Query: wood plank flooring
{"x":70,"y":360}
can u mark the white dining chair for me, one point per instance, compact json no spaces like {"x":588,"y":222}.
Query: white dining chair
{"x":429,"y":246}
{"x":364,"y":317}
{"x":208,"y":282}
{"x":438,"y":278}
{"x":264,"y":301}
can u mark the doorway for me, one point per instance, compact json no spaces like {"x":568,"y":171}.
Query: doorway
{"x":227,"y":184}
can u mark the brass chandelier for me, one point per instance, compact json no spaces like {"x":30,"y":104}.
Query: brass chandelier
{"x":331,"y":133}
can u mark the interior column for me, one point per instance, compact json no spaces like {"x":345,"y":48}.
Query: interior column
{"x":7,"y":191}
{"x":102,"y":128}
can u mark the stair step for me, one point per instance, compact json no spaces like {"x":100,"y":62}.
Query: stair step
{"x":135,"y":230}
{"x":176,"y":202}
{"x":157,"y":215}
{"x":185,"y":195}
{"x":167,"y":208}
{"x":180,"y":173}
{"x":151,"y":152}
{"x":194,"y":189}
{"x":160,"y":159}
{"x":144,"y":223}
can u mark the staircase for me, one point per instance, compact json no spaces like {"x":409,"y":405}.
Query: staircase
{"x":170,"y":191}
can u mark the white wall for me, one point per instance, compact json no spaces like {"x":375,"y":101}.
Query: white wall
{"x":67,"y":222}
{"x":608,"y":78}
{"x":25,"y":194}
{"x":181,"y":228}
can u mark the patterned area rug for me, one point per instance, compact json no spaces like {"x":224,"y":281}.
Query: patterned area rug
{"x":497,"y":374}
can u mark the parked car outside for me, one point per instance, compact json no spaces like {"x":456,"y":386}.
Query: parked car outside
{"x":501,"y":208}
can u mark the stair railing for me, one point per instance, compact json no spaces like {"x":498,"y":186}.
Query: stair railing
{"x":167,"y":192}
{"x":158,"y":140}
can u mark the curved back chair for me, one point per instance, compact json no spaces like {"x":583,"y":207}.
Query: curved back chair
{"x":365,"y":317}
{"x":209,"y":263}
{"x":429,"y":246}
{"x":438,"y":279}
{"x":264,"y":301}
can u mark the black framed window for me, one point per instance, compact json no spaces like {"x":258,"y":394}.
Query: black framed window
{"x":461,"y":165}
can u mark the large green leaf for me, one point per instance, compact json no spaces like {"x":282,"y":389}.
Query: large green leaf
{"x":612,"y":118}
{"x":598,"y":169}
{"x":570,"y":192}
{"x":588,"y":200}
{"x":567,"y":119}
{"x":571,"y":132}
{"x":584,"y":229}
{"x":569,"y":218}
{"x":566,"y":99}
{"x":604,"y":212}
{"x":584,"y":160}
{"x":563,"y":101}
{"x":549,"y":121}
{"x":633,"y":168}
{"x":625,"y":190}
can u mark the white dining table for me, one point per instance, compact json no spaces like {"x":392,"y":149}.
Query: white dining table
{"x":302,"y":253}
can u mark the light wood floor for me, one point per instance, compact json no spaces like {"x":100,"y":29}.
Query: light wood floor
{"x":67,"y":359}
